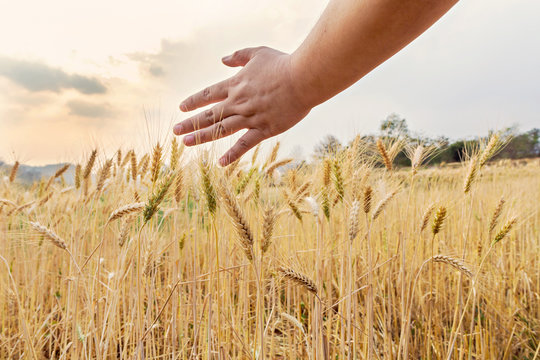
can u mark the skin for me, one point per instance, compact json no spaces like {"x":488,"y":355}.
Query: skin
{"x":274,"y":90}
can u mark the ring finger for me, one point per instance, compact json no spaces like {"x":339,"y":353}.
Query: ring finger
{"x":226,"y":127}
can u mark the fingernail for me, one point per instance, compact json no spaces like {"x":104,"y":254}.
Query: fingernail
{"x":226,"y":58}
{"x":222,"y":162}
{"x":183,"y":107}
{"x":189,"y":140}
{"x":177,"y":129}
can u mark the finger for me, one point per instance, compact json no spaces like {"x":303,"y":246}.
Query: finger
{"x":209,"y":95}
{"x":240,"y":57}
{"x":204,"y":119}
{"x":219,"y":130}
{"x":246,"y":142}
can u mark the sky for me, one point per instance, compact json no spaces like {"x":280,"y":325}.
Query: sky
{"x":78,"y":75}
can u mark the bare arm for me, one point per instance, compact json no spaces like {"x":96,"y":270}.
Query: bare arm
{"x":274,"y":91}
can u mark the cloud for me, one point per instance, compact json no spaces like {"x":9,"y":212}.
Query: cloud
{"x":88,"y":109}
{"x":35,"y":76}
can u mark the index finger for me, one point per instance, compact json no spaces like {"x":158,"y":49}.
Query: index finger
{"x":209,"y":95}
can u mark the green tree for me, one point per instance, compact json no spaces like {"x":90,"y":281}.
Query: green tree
{"x":394,"y":126}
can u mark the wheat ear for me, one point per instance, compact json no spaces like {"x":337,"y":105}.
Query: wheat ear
{"x":89,"y":165}
{"x":504,"y":230}
{"x":239,"y":221}
{"x":368,"y":194}
{"x":125,"y":210}
{"x":13,"y":172}
{"x":49,"y":234}
{"x":103,"y":175}
{"x":438,"y":220}
{"x":382,"y":204}
{"x":299,"y":279}
{"x":496,"y":215}
{"x":471,"y":174}
{"x":269,"y":220}
{"x":157,"y":197}
{"x":455,"y":263}
{"x":384,"y":154}
{"x":276,"y":164}
{"x":426,"y":217}
{"x":156,"y":162}
{"x":354,"y":225}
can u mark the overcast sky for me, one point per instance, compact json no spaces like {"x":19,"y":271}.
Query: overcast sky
{"x":76,"y":75}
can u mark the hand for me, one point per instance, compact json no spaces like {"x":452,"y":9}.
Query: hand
{"x":264,"y":97}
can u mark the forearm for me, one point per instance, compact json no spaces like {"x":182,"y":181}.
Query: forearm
{"x":352,"y":37}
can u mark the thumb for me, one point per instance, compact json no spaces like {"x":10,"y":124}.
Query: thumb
{"x":240,"y":57}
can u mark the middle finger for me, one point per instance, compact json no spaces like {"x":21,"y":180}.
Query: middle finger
{"x":204,"y":119}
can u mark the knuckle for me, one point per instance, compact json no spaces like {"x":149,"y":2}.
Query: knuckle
{"x":243,"y":144}
{"x":209,"y":115}
{"x":233,"y":153}
{"x":266,"y":131}
{"x":206,"y":93}
{"x":220,"y":128}
{"x":193,"y":123}
{"x":234,"y":81}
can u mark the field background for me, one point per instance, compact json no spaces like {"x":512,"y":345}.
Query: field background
{"x":156,"y":256}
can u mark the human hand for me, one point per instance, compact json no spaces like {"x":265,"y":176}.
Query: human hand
{"x":264,"y":97}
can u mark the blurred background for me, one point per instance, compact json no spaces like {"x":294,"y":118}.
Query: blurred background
{"x":78,"y":75}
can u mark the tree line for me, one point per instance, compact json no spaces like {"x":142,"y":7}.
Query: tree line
{"x":518,"y":145}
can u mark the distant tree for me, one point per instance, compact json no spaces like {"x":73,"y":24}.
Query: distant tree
{"x":327,"y":146}
{"x":297,"y":153}
{"x":394,"y":126}
{"x":525,"y":145}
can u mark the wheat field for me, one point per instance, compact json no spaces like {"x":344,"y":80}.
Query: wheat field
{"x":167,"y":256}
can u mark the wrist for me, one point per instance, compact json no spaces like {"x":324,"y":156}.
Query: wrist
{"x":303,"y":81}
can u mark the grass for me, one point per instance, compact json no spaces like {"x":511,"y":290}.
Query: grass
{"x":154,"y":256}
